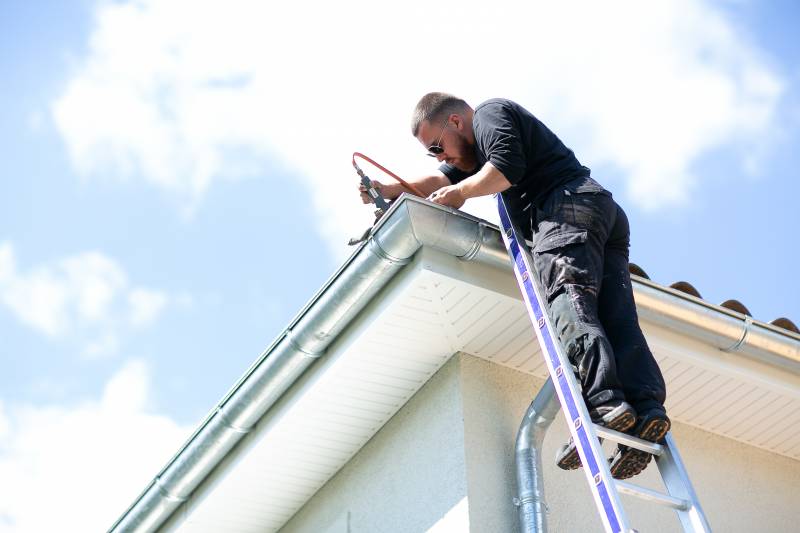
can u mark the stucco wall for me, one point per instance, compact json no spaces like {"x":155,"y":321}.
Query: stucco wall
{"x":455,"y":439}
{"x":741,"y":488}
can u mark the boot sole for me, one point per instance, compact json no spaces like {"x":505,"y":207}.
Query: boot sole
{"x":568,"y":457}
{"x":629,"y":462}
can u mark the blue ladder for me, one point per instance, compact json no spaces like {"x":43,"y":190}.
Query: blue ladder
{"x":605,"y":489}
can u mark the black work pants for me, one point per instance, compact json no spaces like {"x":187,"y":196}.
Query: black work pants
{"x":580,"y":251}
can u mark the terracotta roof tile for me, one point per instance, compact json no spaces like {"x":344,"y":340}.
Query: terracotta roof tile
{"x":734,"y":305}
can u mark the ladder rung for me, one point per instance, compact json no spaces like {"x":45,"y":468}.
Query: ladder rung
{"x":628,"y":440}
{"x":652,"y":495}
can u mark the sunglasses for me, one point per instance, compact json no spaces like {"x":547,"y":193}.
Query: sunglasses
{"x":436,"y":148}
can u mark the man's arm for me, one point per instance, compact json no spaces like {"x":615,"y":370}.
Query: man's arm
{"x":488,"y":180}
{"x":391,"y":190}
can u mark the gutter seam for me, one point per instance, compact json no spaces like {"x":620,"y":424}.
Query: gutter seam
{"x":748,"y":323}
{"x":167,"y":494}
{"x":378,"y":250}
{"x":290,"y":338}
{"x":233,"y":427}
{"x":476,"y":247}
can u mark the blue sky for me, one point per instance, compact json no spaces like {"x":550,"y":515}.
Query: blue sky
{"x":174,"y":188}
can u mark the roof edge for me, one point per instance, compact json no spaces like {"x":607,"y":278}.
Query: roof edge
{"x":410,"y":224}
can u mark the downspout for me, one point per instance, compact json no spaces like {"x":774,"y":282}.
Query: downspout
{"x":530,"y":480}
{"x":407,"y":226}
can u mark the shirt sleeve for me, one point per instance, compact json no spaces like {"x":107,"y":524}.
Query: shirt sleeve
{"x":498,"y":138}
{"x":453,"y":174}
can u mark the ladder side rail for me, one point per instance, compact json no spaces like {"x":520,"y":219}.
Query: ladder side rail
{"x":580,"y":424}
{"x":676,"y":480}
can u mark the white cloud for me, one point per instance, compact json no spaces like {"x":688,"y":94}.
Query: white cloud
{"x":84,"y":295}
{"x":102,"y":345}
{"x":648,"y":88}
{"x":84,"y":464}
{"x":145,"y":305}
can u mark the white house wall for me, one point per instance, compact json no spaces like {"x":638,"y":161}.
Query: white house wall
{"x":417,"y":466}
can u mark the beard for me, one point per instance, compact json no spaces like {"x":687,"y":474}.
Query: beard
{"x":466,"y":160}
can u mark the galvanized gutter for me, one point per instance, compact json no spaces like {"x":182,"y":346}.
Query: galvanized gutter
{"x":718,"y":326}
{"x":409,"y":225}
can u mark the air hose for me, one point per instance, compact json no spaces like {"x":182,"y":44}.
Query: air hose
{"x":404,"y":183}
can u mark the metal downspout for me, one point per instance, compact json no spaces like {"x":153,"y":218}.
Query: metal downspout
{"x":530,"y":480}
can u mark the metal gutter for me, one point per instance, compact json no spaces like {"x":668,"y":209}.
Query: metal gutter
{"x":410,"y":224}
{"x":718,"y":326}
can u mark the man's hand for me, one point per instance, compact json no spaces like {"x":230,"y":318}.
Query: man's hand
{"x":365,"y":197}
{"x":451,"y":196}
{"x":389,"y":191}
{"x":488,"y":180}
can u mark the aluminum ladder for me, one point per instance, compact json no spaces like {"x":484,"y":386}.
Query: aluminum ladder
{"x":605,"y":489}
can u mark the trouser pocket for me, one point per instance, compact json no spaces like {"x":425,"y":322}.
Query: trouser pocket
{"x":560,"y":258}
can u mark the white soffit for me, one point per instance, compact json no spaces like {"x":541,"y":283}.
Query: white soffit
{"x":436,"y":307}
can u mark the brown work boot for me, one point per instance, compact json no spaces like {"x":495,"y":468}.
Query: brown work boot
{"x":616,"y":414}
{"x":628,"y":462}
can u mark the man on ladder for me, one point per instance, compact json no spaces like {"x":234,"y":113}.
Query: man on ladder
{"x":580,"y":241}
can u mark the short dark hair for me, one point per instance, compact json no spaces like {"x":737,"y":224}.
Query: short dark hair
{"x":433,"y":107}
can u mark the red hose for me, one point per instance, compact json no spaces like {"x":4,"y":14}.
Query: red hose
{"x":387,"y":171}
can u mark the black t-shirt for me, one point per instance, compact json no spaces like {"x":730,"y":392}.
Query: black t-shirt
{"x":528,"y":154}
